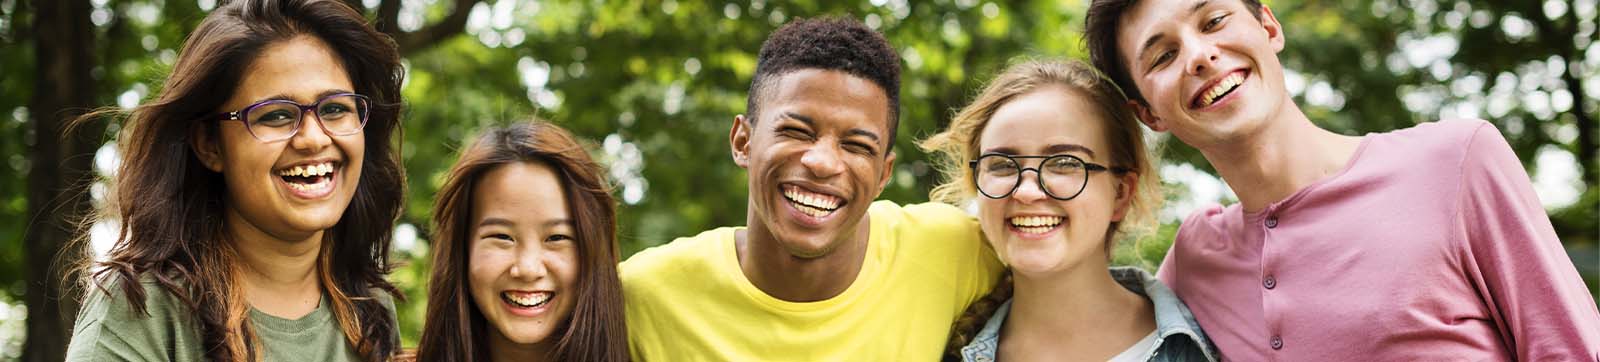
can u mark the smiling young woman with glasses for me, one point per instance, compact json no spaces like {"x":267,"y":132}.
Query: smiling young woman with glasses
{"x":256,"y":197}
{"x":1058,"y":171}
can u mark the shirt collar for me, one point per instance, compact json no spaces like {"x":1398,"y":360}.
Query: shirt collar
{"x":1173,"y":318}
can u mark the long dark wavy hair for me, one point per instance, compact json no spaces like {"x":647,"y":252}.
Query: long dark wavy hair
{"x":170,"y":206}
{"x":455,"y":330}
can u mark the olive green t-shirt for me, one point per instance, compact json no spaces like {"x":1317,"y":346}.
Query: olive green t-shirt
{"x":108,"y":329}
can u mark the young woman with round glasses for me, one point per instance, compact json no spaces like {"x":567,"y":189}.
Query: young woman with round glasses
{"x":1059,"y":172}
{"x":256,"y":197}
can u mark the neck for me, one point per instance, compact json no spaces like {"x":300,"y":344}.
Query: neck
{"x":1067,"y":304}
{"x":1287,"y":155}
{"x":781,"y":274}
{"x":279,"y":276}
{"x":502,"y":349}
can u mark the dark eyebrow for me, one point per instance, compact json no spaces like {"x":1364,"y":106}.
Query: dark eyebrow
{"x":1065,"y":148}
{"x":495,"y":221}
{"x":813,"y":122}
{"x":1157,"y":38}
{"x":320,"y":96}
{"x":1054,"y":149}
{"x":1000,"y":150}
{"x":800,"y":117}
{"x":864,"y":133}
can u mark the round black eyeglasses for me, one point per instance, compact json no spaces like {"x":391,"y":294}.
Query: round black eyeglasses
{"x":1062,"y":177}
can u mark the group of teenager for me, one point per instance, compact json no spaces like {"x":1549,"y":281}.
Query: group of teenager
{"x":258,"y":191}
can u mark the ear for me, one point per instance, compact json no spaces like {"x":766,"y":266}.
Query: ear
{"x":888,"y":172}
{"x":1274,"y":29}
{"x":1126,"y":188}
{"x":206,"y":148}
{"x":739,"y":141}
{"x":1146,"y":116}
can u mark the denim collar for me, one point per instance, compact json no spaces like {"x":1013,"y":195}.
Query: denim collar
{"x":1173,"y":318}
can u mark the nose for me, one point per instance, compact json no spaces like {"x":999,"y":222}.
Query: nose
{"x":312,"y":135}
{"x":530,"y":263}
{"x":1028,"y":187}
{"x":1202,"y":56}
{"x":822,"y":160}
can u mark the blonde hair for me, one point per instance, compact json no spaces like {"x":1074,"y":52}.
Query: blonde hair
{"x":957,"y":144}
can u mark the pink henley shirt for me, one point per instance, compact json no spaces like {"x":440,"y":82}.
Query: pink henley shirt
{"x":1429,"y":246}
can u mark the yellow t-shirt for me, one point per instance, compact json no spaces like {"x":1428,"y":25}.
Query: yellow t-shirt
{"x":689,"y":301}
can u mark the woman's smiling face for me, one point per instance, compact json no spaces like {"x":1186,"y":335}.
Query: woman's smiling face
{"x":290,"y":189}
{"x":523,"y":262}
{"x":1031,"y":231}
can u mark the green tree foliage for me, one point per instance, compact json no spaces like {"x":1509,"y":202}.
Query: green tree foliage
{"x":655,"y":85}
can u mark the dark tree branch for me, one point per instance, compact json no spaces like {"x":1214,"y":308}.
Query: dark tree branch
{"x":19,"y":27}
{"x":1558,"y":38}
{"x":389,"y":17}
{"x":427,"y":37}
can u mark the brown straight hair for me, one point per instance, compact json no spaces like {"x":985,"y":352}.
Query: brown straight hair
{"x":455,"y":330}
{"x":169,"y":205}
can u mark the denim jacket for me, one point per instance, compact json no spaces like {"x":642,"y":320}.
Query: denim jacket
{"x":1179,"y":338}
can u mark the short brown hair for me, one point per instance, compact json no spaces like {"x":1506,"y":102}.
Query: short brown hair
{"x":1101,"y":24}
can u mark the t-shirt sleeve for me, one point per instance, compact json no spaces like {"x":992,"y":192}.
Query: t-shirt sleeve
{"x":978,"y":268}
{"x":109,"y":329}
{"x":1528,"y":283}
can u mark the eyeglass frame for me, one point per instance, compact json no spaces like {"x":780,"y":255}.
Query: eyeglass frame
{"x":1088,"y":168}
{"x":299,"y":121}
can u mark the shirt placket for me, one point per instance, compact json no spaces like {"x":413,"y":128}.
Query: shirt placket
{"x":1268,"y":281}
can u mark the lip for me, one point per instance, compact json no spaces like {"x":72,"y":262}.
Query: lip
{"x":311,"y":195}
{"x":526,"y":311}
{"x":1194,"y":99}
{"x":1017,"y":232}
{"x":802,"y":217}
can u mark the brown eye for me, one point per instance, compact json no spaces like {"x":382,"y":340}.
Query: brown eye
{"x":1214,"y":22}
{"x":1162,"y":58}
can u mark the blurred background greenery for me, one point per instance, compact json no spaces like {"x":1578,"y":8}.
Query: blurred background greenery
{"x":655,"y":84}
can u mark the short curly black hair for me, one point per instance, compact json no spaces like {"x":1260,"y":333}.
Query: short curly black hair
{"x":829,"y":43}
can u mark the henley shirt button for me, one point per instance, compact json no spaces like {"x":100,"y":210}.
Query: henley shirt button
{"x":1272,"y":222}
{"x":1277,"y":343}
{"x":1270,"y":282}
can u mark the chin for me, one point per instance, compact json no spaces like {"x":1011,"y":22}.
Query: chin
{"x":808,"y":250}
{"x":528,"y":337}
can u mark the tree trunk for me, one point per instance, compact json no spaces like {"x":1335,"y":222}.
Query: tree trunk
{"x":1588,"y":163}
{"x":60,"y":171}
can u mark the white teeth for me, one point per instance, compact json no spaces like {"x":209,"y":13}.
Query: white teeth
{"x":307,"y":171}
{"x":820,"y":204}
{"x":1036,"y":221}
{"x":1221,"y":88}
{"x":1035,"y":224}
{"x":527,"y":300}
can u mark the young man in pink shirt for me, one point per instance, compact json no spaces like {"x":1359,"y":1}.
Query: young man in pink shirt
{"x":1426,"y":243}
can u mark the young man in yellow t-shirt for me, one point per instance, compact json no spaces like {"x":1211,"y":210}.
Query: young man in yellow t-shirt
{"x":822,"y":273}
